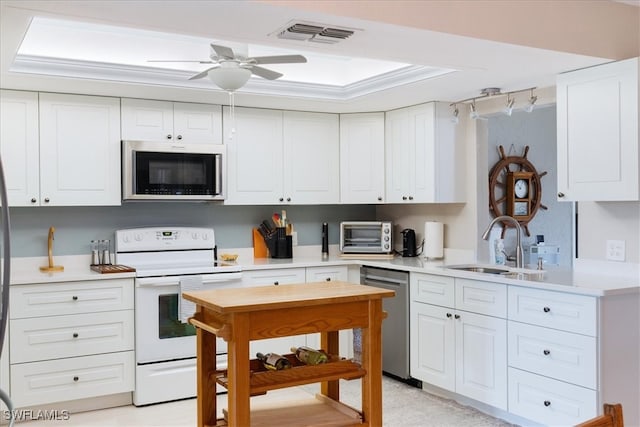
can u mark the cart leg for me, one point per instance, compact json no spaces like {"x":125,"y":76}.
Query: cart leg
{"x":238,"y":372}
{"x":206,"y":384}
{"x":372,"y":363}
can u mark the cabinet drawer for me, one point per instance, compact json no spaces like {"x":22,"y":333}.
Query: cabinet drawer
{"x":71,"y":298}
{"x":43,"y":338}
{"x":279,"y":276}
{"x":567,"y":312}
{"x":60,"y":380}
{"x":432,"y":289}
{"x":548,"y":401}
{"x":481,"y":297}
{"x":327,"y":274}
{"x":561,"y":355}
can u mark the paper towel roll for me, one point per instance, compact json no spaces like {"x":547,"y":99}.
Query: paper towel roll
{"x":433,"y":240}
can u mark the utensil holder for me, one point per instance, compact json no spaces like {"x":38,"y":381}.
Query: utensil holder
{"x":280,"y":245}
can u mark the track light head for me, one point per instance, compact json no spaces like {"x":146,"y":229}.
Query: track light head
{"x":509,"y":108}
{"x":473,"y":113}
{"x":530,"y":104}
{"x":455,"y":119}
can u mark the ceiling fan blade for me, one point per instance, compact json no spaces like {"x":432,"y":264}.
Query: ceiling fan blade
{"x":265,"y":73}
{"x":278,"y":59}
{"x":203,"y":74}
{"x":180,"y":60}
{"x":223,"y":51}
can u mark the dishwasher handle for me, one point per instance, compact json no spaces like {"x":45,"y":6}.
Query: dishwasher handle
{"x":384,"y":280}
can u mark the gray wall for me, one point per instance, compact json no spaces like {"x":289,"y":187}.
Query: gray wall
{"x":537,"y":130}
{"x":77,"y":226}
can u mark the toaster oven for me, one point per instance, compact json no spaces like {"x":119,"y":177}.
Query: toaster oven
{"x":366,"y":237}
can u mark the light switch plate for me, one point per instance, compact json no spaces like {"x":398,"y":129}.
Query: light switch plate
{"x":615,"y":250}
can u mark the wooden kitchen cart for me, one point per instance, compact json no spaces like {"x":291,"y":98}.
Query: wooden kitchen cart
{"x":245,"y":314}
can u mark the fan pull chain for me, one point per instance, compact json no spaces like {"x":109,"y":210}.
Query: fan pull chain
{"x":232,"y":105}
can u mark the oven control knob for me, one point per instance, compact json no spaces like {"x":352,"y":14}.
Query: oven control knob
{"x":138,"y":237}
{"x":386,"y":246}
{"x":386,"y":238}
{"x":205,"y":236}
{"x":125,"y":238}
{"x":194,"y":236}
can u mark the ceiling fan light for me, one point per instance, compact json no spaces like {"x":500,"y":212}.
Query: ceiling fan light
{"x":455,"y":119}
{"x":509,"y":108}
{"x":229,"y":79}
{"x":473,"y":113}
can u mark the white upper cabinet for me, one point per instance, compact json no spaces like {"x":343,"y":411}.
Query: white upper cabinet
{"x":362,"y":158}
{"x":147,"y":120}
{"x":19,"y":146}
{"x":423,"y":156}
{"x":79,"y":150}
{"x":276,"y":157}
{"x":597,"y":111}
{"x":311,"y":153}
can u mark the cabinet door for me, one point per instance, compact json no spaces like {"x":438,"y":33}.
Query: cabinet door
{"x":19,"y":146}
{"x":79,"y":150}
{"x":362,"y":158}
{"x":254,"y":156}
{"x":146,"y":120}
{"x":197,"y":123}
{"x":399,"y":152}
{"x":311,"y":155}
{"x":597,"y":110}
{"x":423,"y":162}
{"x":433,"y":345}
{"x":481,"y":358}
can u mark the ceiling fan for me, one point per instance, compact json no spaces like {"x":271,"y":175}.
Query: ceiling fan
{"x":231,"y":71}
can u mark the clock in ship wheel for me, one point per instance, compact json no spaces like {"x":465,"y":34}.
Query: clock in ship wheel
{"x":515,"y":189}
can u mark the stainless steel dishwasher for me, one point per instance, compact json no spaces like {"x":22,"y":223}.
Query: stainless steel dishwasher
{"x":395,"y":328}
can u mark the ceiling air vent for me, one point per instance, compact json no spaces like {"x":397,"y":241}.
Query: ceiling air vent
{"x":312,"y":32}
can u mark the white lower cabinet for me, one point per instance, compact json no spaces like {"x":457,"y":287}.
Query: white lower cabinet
{"x":327,"y":274}
{"x":281,"y":276}
{"x":71,"y":340}
{"x":455,"y":349}
{"x":553,"y":356}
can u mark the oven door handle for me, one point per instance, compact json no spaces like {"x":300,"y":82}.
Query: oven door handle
{"x":175,"y":280}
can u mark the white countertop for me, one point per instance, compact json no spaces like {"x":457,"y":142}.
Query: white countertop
{"x":588,"y":278}
{"x":76,"y":268}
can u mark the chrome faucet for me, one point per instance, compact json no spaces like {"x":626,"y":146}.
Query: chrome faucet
{"x":502,"y":218}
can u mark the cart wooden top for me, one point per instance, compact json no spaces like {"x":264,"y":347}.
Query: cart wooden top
{"x":284,"y":296}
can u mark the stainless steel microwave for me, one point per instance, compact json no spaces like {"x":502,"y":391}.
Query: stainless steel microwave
{"x":366,"y":237}
{"x":172,"y":171}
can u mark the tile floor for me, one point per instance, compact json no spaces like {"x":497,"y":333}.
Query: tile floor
{"x":403,"y":406}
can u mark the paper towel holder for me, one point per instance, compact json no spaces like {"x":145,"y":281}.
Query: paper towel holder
{"x":433,"y":240}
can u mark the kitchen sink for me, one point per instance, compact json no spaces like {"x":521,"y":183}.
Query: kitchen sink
{"x":478,"y":269}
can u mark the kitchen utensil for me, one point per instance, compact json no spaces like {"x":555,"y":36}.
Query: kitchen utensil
{"x":276,"y":219}
{"x":408,"y":242}
{"x":325,"y":240}
{"x":95,"y":252}
{"x":51,"y":268}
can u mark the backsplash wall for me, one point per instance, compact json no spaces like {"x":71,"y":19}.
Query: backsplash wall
{"x":77,"y":226}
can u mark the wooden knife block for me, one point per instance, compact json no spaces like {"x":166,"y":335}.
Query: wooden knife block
{"x":259,"y":246}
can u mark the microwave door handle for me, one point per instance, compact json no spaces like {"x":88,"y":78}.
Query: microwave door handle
{"x":218,"y":181}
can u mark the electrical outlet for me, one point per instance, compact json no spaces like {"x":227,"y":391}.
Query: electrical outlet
{"x":294,"y":238}
{"x":615,"y":250}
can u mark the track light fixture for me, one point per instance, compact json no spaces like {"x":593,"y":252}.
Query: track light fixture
{"x":530,"y":103}
{"x":491,"y":92}
{"x":473,"y":113}
{"x":509,"y":108}
{"x":456,"y":112}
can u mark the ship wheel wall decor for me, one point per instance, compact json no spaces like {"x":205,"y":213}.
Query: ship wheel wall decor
{"x":515,"y":189}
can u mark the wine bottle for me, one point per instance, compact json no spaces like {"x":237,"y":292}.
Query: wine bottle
{"x":310,"y":356}
{"x":273,"y":361}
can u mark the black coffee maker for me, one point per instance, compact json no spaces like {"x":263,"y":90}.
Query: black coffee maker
{"x":408,"y":242}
